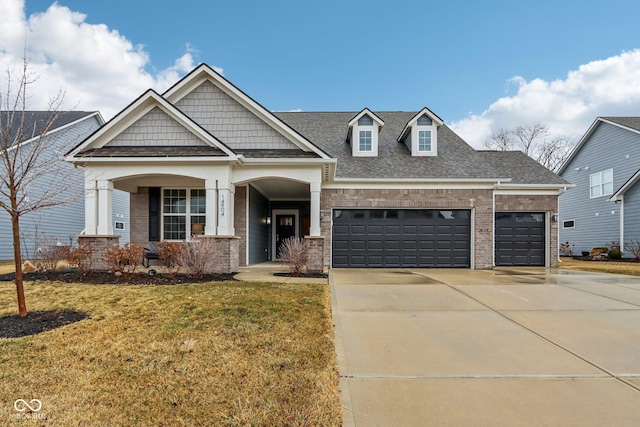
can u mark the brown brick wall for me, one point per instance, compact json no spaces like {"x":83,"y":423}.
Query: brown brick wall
{"x":227,"y":248}
{"x":316,"y":261}
{"x":505,"y":203}
{"x":240,"y":222}
{"x":99,"y":244}
{"x":481,"y":201}
{"x":139,"y":214}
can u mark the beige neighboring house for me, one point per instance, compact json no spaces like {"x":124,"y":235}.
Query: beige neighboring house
{"x":367,"y":189}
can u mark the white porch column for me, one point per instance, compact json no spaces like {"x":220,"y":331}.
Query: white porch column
{"x":226,"y":192}
{"x":211,"y":211}
{"x":90,"y":208}
{"x":105,"y":208}
{"x":314,"y":229}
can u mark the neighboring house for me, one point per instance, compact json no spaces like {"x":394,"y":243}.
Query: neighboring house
{"x":61,"y":223}
{"x":604,"y":208}
{"x":367,"y":189}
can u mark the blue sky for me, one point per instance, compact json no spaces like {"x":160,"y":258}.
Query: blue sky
{"x":478,"y":66}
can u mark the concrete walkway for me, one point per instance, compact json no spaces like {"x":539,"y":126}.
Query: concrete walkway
{"x":264,"y":272}
{"x":512,"y":347}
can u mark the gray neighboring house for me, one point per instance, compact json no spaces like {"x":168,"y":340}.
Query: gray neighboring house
{"x":66,"y":222}
{"x":604,"y":207}
{"x":366,"y":189}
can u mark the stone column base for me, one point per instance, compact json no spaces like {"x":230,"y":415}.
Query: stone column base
{"x":228,"y":248}
{"x":99,"y":245}
{"x":316,"y":254}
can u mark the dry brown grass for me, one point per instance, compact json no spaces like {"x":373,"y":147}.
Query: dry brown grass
{"x":621,"y":267}
{"x":226,"y":353}
{"x":7,"y":267}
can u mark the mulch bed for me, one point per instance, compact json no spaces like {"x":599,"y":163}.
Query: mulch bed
{"x":106,"y":278}
{"x":35,"y":322}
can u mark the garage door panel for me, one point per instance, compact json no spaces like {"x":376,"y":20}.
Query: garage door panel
{"x":520,"y":239}
{"x":401,"y":238}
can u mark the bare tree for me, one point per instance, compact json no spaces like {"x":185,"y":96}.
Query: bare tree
{"x":534,"y":141}
{"x":31,"y":177}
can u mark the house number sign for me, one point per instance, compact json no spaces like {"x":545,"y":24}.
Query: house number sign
{"x":222,"y":206}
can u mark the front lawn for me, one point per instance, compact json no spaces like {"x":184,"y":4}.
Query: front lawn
{"x":219,"y":353}
{"x":617,"y":267}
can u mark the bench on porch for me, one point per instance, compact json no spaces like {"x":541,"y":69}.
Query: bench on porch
{"x":150,"y":253}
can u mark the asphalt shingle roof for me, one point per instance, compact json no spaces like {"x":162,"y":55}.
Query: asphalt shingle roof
{"x":456,"y":159}
{"x":630,"y":122}
{"x":34,"y":121}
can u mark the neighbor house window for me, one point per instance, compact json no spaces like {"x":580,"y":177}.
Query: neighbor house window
{"x":365,"y":140}
{"x":601,"y":183}
{"x":424,"y":140}
{"x":571,"y":223}
{"x":183,"y":213}
{"x":119,"y":225}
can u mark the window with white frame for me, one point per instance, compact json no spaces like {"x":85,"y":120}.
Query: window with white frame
{"x":365,"y":140}
{"x":570,"y":223}
{"x":601,"y":183}
{"x":424,"y":140}
{"x":183,"y":213}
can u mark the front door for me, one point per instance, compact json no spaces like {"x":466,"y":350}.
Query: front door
{"x":285,"y":228}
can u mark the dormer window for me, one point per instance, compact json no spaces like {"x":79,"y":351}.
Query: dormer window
{"x":363,"y":132}
{"x":420,"y":134}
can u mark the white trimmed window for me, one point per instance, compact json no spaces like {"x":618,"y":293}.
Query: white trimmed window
{"x":601,"y":183}
{"x":365,"y":140}
{"x":570,"y":223}
{"x":424,"y":140}
{"x":181,"y":207}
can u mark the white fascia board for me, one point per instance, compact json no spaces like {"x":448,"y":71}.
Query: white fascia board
{"x":368,"y":112}
{"x":284,"y":160}
{"x":508,"y":186}
{"x":437,"y":120}
{"x":204,"y":72}
{"x":413,"y":184}
{"x":137,"y":110}
{"x":528,"y":192}
{"x":618,"y":195}
{"x":54,"y":130}
{"x":149,"y":160}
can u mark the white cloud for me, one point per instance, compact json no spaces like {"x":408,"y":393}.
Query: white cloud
{"x":609,"y":87}
{"x":96,"y":67}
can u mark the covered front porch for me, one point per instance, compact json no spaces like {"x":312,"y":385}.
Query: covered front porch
{"x":248,"y":211}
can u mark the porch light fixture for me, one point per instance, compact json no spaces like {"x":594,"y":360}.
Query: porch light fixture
{"x":268,"y":220}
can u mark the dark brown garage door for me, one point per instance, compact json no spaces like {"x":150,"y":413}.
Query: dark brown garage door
{"x":401,"y":238}
{"x":520,"y":239}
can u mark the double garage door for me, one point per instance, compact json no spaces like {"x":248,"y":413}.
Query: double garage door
{"x":401,"y":238}
{"x":430,"y":238}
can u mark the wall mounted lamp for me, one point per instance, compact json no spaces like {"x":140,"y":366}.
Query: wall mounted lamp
{"x":268,"y":220}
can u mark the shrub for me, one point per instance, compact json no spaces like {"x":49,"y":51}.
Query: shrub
{"x":200,"y":256}
{"x":614,"y":244}
{"x":50,"y":252}
{"x":82,"y":257}
{"x":294,"y":252}
{"x":566,"y":249}
{"x":614,"y":254}
{"x":125,"y":259}
{"x":169,"y":253}
{"x":599,"y":250}
{"x":633,"y":246}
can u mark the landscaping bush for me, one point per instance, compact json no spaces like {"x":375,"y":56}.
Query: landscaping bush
{"x":82,"y":257}
{"x":169,"y":253}
{"x":566,"y":249}
{"x":294,"y":252}
{"x":125,"y":259}
{"x":50,"y":252}
{"x":614,"y":254}
{"x":199,"y":256}
{"x":599,"y":250}
{"x":633,"y":246}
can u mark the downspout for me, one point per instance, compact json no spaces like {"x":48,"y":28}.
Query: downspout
{"x":622,"y":224}
{"x":493,"y":228}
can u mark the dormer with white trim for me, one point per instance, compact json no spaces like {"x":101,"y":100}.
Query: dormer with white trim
{"x":363,"y":134}
{"x":420,"y":134}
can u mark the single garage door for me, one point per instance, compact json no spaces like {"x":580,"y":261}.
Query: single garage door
{"x":520,"y":239}
{"x":401,"y":238}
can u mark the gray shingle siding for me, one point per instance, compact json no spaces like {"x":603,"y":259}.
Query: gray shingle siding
{"x":607,"y":147}
{"x":631,"y":216}
{"x":258,"y":230}
{"x":229,"y":121}
{"x":60,"y":222}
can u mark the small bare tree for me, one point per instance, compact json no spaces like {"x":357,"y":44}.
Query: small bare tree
{"x":534,"y":141}
{"x":294,"y":252}
{"x":26,"y":159}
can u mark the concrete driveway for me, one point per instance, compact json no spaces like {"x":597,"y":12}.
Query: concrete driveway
{"x":512,"y":347}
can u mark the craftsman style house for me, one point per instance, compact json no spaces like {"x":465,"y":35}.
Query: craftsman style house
{"x":367,"y":188}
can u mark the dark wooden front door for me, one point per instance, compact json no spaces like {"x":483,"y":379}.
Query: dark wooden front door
{"x":285,"y":228}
